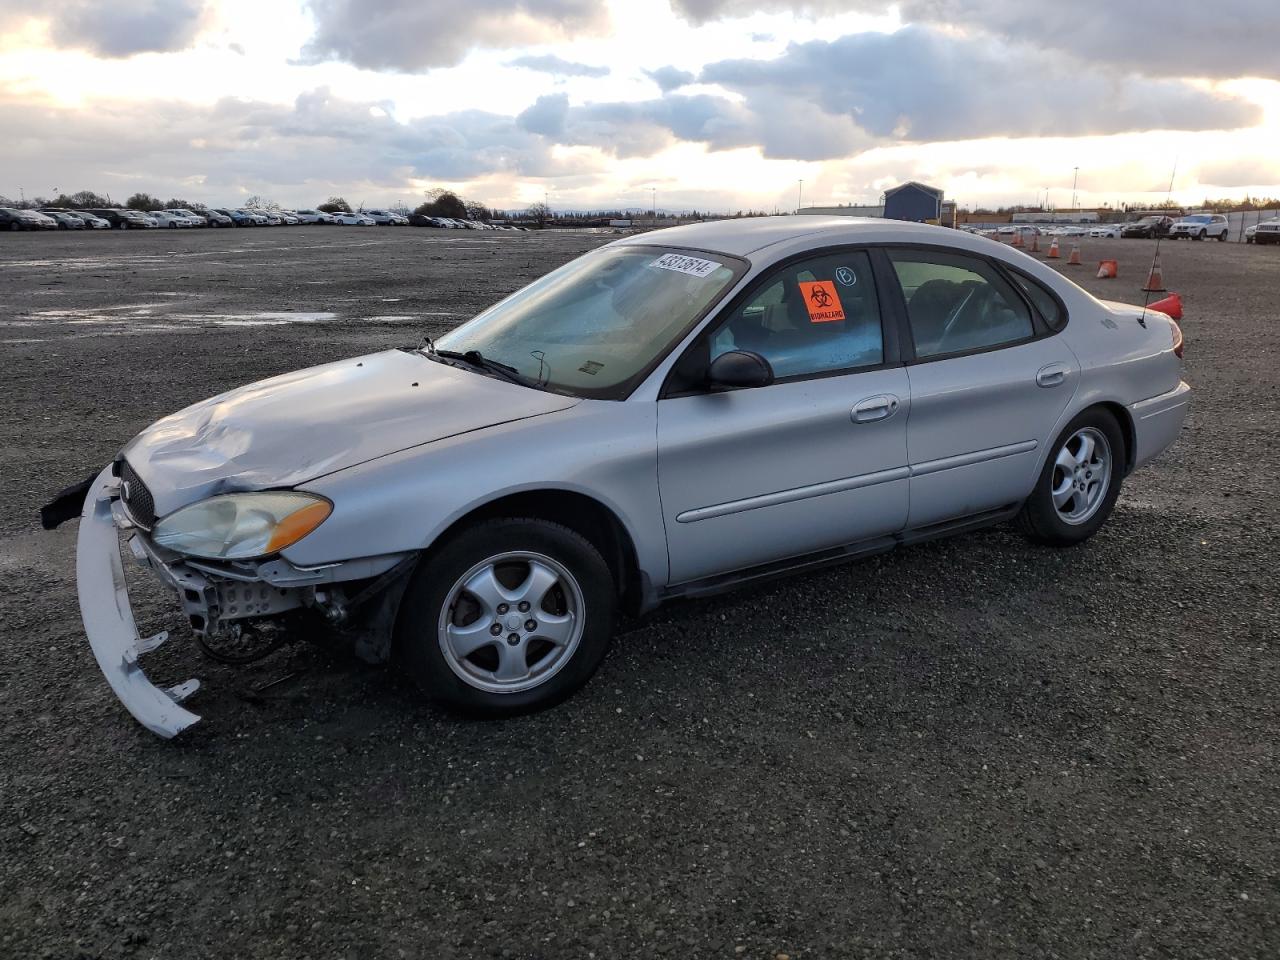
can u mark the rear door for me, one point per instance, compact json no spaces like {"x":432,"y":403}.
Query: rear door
{"x":988,"y":381}
{"x":816,"y":460}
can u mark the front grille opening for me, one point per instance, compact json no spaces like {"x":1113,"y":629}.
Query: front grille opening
{"x":137,"y":498}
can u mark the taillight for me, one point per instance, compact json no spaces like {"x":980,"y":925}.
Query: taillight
{"x":1177,"y":339}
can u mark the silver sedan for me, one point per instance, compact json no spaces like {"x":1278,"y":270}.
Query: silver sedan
{"x":671,"y":415}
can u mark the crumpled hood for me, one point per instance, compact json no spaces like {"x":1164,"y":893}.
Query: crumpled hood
{"x":289,"y":429}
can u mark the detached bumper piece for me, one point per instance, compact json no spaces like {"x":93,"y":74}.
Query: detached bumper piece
{"x":108,"y":619}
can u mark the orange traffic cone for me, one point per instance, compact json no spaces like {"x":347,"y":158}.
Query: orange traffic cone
{"x":1170,"y":306}
{"x":1108,"y":269}
{"x":1017,"y":239}
{"x":1035,"y":243}
{"x":1053,"y":253}
{"x":1074,"y":260}
{"x":1155,"y":279}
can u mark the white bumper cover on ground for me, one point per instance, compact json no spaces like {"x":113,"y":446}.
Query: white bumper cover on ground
{"x":108,"y":619}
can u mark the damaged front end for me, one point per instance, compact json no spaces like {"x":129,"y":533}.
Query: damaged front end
{"x":220,"y":598}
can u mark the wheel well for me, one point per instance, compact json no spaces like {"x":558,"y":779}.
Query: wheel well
{"x":1125,"y":420}
{"x":584,"y":515}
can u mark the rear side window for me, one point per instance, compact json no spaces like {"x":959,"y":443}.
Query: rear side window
{"x":1044,"y":301}
{"x":957,"y":304}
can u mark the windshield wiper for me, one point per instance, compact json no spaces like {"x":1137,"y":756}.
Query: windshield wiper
{"x":474,"y":358}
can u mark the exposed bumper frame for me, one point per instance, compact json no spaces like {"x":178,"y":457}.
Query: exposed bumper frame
{"x":108,"y":619}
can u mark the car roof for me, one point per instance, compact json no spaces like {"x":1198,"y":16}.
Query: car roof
{"x":747,"y":235}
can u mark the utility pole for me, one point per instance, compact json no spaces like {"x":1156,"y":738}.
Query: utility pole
{"x":800,"y":196}
{"x":1074,"y":180}
{"x":653,"y":202}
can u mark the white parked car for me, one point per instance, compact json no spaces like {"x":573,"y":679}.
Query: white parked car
{"x":1200,"y":226}
{"x":197,"y":219}
{"x":288,"y":218}
{"x":353,"y":219}
{"x":1268,"y":231}
{"x":667,"y":416}
{"x":386,"y":218}
{"x":164,"y":218}
{"x":313,"y":216}
{"x":1108,"y":231}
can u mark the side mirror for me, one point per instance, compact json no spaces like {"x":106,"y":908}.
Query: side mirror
{"x":738,"y":369}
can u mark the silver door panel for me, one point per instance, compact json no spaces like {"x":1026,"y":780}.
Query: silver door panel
{"x":977,"y":422}
{"x":751,"y":476}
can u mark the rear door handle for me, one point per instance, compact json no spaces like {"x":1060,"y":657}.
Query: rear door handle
{"x":879,"y":407}
{"x":1051,"y":374}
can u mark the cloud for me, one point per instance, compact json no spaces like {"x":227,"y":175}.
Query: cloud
{"x":558,"y":66}
{"x":412,"y":35}
{"x":1223,"y":39}
{"x":919,"y":84}
{"x":304,"y":150}
{"x":669,"y":78}
{"x":699,"y":12}
{"x":119,"y":28}
{"x":1242,"y":172}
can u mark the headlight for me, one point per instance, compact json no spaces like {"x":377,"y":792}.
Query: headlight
{"x":238,"y":526}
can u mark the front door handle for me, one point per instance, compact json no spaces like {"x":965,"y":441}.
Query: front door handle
{"x":875,"y":408}
{"x":1052,"y":374}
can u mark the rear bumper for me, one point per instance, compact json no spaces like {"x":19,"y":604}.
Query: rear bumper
{"x":108,"y":619}
{"x":1158,"y":421}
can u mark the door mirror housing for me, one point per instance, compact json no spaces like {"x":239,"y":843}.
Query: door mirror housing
{"x":739,"y":369}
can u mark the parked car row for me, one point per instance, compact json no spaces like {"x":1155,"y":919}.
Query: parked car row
{"x":122,"y":218}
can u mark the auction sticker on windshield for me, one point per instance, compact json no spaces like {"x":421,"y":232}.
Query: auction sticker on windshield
{"x":693,"y":266}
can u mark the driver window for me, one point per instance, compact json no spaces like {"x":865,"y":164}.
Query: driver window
{"x":814,"y":316}
{"x":957,"y":303}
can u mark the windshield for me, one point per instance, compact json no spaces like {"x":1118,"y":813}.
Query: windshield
{"x":1198,"y":219}
{"x":596,"y":326}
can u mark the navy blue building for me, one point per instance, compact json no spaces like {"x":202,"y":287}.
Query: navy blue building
{"x":913,"y":201}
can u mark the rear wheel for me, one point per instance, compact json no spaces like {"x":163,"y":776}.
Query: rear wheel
{"x":1079,"y":484}
{"x":1222,"y":236}
{"x":510,"y":616}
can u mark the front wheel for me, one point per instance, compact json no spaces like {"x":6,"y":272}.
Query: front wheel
{"x":510,"y":616}
{"x":1202,"y":234}
{"x":1079,"y":484}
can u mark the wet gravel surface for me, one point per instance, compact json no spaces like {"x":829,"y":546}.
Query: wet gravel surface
{"x":976,"y":747}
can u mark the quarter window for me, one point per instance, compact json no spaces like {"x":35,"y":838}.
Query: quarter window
{"x":815,"y":316}
{"x":1043,"y":300}
{"x":957,"y":304}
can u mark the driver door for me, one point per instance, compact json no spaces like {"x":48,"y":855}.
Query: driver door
{"x":816,"y":460}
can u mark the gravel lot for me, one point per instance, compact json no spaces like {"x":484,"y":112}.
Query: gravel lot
{"x":971,"y":748}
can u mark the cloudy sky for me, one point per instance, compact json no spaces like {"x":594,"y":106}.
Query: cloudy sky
{"x":713,"y":104}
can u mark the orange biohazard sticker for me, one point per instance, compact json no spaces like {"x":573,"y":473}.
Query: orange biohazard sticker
{"x":822,"y":301}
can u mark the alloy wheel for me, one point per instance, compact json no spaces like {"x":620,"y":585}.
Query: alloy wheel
{"x":511,"y":622}
{"x":1081,"y":475}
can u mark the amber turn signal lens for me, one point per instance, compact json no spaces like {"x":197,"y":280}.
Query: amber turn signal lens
{"x":298,"y":524}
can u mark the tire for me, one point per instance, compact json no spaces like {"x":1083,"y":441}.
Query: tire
{"x":124,"y":224}
{"x":1082,"y":514}
{"x":15,"y":227}
{"x":500,"y":557}
{"x":1202,"y":234}
{"x":1222,"y":237}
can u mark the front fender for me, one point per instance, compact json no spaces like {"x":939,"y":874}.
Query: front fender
{"x":605,"y":450}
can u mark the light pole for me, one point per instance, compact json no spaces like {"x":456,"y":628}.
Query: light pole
{"x":1074,"y":180}
{"x":653,"y":202}
{"x":800,"y":196}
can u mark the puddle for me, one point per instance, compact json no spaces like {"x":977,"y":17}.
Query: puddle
{"x":149,"y":318}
